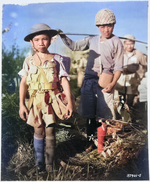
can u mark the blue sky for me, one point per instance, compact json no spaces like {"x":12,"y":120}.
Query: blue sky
{"x":74,"y":17}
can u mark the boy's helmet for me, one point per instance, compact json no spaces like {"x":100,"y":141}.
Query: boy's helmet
{"x":129,"y":37}
{"x":38,"y":29}
{"x":105,"y":16}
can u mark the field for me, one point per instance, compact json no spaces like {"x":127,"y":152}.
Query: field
{"x":125,"y":155}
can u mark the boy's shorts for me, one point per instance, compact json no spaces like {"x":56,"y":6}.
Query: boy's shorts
{"x":41,"y":112}
{"x":95,"y":103}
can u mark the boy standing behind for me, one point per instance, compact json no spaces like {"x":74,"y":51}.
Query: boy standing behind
{"x":134,"y":68}
{"x":103,"y":69}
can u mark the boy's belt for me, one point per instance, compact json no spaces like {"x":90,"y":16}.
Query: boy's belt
{"x":43,"y":86}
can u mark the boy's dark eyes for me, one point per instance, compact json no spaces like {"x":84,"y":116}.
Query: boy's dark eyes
{"x":42,"y":39}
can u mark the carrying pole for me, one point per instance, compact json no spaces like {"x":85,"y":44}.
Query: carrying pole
{"x":79,"y":34}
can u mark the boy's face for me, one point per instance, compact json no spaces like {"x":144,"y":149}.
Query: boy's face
{"x":106,"y":30}
{"x":41,"y":42}
{"x":128,"y":45}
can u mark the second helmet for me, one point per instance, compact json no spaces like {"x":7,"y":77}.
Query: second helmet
{"x":105,"y":16}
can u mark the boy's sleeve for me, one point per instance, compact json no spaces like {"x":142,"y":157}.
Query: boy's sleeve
{"x":141,"y":58}
{"x":119,"y":57}
{"x":24,"y":71}
{"x":64,"y":67}
{"x":79,"y":45}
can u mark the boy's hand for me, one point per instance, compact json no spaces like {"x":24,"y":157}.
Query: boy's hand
{"x":61,"y":33}
{"x":23,"y":112}
{"x":69,"y":111}
{"x":108,"y":89}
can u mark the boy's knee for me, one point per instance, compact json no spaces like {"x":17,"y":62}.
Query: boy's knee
{"x":38,"y":135}
{"x":50,"y":131}
{"x":39,"y":131}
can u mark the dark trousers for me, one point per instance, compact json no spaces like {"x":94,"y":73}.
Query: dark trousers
{"x":91,"y":128}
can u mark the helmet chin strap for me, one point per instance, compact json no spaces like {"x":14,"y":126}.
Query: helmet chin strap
{"x":33,"y":46}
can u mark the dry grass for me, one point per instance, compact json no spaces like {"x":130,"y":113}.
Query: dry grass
{"x":120,"y":151}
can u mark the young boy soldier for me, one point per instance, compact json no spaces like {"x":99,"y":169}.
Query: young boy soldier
{"x":103,"y":69}
{"x":41,"y":74}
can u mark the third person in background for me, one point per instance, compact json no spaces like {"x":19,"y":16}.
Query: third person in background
{"x":134,"y":69}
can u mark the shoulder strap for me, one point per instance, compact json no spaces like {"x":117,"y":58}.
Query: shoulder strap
{"x":43,"y":74}
{"x":41,"y":71}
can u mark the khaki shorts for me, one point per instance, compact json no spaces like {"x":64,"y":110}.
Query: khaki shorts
{"x":41,"y":112}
